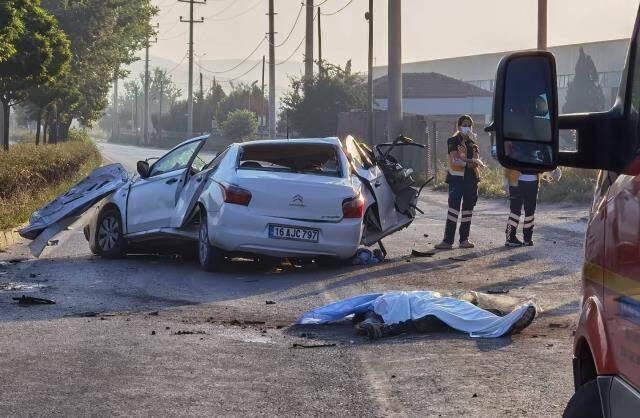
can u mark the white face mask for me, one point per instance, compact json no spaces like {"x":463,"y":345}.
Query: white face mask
{"x":465,"y":130}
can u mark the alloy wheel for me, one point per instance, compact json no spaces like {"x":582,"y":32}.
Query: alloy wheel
{"x":108,"y":233}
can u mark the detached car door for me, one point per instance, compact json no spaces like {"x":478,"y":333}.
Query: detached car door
{"x":152,"y":200}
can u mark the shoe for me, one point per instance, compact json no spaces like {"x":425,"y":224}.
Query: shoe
{"x":443,"y":246}
{"x":528,"y":243}
{"x":466,"y":244}
{"x":525,"y":320}
{"x":513,"y":242}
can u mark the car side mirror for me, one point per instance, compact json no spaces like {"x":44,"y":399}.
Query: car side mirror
{"x":525,"y":111}
{"x":143,"y":169}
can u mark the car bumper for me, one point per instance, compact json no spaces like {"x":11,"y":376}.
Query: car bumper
{"x":236,"y":229}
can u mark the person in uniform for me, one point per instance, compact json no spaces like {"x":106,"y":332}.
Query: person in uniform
{"x":522,"y":187}
{"x":462,"y":177}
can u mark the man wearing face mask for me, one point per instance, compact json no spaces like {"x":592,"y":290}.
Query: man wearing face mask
{"x":462,"y":177}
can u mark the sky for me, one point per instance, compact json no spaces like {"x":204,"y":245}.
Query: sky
{"x":431,"y":28}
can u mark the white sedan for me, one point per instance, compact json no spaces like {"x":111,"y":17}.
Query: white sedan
{"x":276,"y":198}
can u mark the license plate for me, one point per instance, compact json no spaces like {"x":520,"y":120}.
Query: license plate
{"x":293,"y":233}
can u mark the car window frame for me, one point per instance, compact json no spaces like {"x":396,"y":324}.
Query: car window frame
{"x":164,"y":157}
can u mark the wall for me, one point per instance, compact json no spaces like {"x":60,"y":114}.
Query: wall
{"x":444,"y":106}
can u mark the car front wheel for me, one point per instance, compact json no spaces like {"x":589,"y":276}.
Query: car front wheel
{"x":585,"y":403}
{"x":109,"y":241}
{"x":210,"y":257}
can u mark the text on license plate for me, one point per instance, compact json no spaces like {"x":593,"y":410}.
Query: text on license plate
{"x":293,"y":233}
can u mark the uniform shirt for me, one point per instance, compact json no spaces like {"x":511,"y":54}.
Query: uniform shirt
{"x":459,"y":140}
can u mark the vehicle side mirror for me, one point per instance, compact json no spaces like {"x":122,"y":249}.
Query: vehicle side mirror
{"x":525,"y":111}
{"x":143,"y":169}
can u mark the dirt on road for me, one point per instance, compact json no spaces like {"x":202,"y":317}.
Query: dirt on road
{"x":154,"y":335}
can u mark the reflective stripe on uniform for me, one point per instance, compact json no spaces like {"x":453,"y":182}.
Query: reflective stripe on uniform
{"x":452,"y":218}
{"x":465,"y":219}
{"x":513,"y":223}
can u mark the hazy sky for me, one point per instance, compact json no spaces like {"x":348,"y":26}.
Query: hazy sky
{"x":432,"y":28}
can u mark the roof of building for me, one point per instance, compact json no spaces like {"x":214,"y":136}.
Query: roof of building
{"x":429,"y":85}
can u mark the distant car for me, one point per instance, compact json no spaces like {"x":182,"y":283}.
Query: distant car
{"x":274,"y":198}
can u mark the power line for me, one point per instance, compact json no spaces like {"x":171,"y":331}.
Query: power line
{"x":222,"y":19}
{"x":224,"y":9}
{"x":178,"y":64}
{"x":243,"y":74}
{"x":339,"y":10}
{"x":237,"y":65}
{"x":294,"y":52}
{"x":292,"y":28}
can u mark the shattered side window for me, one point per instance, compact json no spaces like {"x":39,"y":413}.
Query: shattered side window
{"x":320,"y":159}
{"x":175,"y":160}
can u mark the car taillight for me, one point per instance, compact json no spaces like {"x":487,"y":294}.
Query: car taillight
{"x":236,"y":195}
{"x":353,"y":207}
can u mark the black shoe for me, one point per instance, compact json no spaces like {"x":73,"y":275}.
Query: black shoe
{"x":513,"y":242}
{"x":528,"y":243}
{"x":525,"y":320}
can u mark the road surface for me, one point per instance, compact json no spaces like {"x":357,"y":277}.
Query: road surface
{"x":154,"y":335}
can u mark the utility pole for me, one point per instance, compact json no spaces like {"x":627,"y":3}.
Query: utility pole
{"x":319,"y":45}
{"x":160,"y":112}
{"x":272,"y":73}
{"x":190,"y":21}
{"x":145,"y":120}
{"x":200,"y":103}
{"x":114,"y":127}
{"x":308,"y":50}
{"x":262,"y":109}
{"x":542,"y":24}
{"x":394,"y":77}
{"x":369,"y":17}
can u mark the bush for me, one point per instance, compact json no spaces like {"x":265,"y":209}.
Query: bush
{"x":32,"y":175}
{"x":240,"y":125}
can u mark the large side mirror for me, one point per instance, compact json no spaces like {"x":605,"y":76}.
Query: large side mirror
{"x":143,"y":169}
{"x":525,"y":111}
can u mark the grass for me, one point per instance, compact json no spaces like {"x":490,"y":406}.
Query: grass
{"x":576,"y":185}
{"x":31,"y":176}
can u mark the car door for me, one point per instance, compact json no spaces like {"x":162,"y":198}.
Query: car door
{"x":390,"y":220}
{"x":152,"y":200}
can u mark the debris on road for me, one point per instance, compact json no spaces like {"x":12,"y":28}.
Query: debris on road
{"x":154,"y":313}
{"x":296,"y":345}
{"x":52,"y":242}
{"x":392,"y":313}
{"x":30,"y":300}
{"x":497,"y":291}
{"x":416,"y":253}
{"x":270,"y":302}
{"x":365,"y":256}
{"x":189,"y":332}
{"x":153,"y":333}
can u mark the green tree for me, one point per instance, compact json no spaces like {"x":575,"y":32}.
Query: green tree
{"x":240,"y":125}
{"x":11,"y":28}
{"x":313,"y":106}
{"x":41,"y":55}
{"x":584,"y":93}
{"x":243,"y":96}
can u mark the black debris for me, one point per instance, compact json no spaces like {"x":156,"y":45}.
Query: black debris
{"x":52,"y":242}
{"x":475,"y":395}
{"x":153,"y":333}
{"x":30,"y":300}
{"x":426,"y":235}
{"x":415,"y":253}
{"x":167,"y":328}
{"x":270,"y":302}
{"x":188,"y":332}
{"x":296,"y":345}
{"x":393,"y":376}
{"x":554,"y":325}
{"x":33,"y":275}
{"x":497,"y":291}
{"x":154,"y":313}
{"x":458,"y":259}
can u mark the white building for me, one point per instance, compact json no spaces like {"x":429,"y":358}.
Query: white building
{"x":480,"y":70}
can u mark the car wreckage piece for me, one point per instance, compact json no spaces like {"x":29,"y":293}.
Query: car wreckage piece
{"x":101,"y":182}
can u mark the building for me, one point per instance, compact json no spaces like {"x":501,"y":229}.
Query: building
{"x":480,"y":70}
{"x":436,"y":94}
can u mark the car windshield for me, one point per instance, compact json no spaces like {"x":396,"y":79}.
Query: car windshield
{"x":320,"y":159}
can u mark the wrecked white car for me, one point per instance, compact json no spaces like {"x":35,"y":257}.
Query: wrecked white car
{"x":303,"y":198}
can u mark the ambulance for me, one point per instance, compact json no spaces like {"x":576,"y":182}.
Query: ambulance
{"x":606,"y":351}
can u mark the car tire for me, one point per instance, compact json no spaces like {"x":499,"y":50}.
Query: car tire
{"x":109,"y":240}
{"x":210,"y":257}
{"x":585,"y":403}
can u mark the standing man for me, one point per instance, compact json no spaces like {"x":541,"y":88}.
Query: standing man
{"x":463,"y":177}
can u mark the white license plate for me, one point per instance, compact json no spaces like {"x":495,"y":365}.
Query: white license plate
{"x":293,"y":233}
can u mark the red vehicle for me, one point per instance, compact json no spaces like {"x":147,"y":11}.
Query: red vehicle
{"x":606,"y":359}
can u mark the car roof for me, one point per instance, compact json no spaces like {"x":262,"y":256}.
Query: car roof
{"x":329,"y":140}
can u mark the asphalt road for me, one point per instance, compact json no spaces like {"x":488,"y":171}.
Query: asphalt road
{"x":154,"y":335}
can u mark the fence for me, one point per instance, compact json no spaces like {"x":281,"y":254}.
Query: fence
{"x":432,"y":131}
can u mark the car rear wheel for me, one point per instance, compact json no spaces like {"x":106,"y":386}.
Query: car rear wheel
{"x":210,"y":257}
{"x":585,"y":403}
{"x":109,"y":241}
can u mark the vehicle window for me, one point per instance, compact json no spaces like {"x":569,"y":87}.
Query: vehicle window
{"x":320,"y":159}
{"x":204,"y":159}
{"x":217,"y":160}
{"x":175,"y":160}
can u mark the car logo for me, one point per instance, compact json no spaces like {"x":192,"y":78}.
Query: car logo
{"x":297,"y":201}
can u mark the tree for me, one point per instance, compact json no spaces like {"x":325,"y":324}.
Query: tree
{"x":41,"y":55}
{"x":240,"y":125}
{"x":313,"y":106}
{"x":584,"y":93}
{"x":243,"y":96}
{"x":11,"y":28}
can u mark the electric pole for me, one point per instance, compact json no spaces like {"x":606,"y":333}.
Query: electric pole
{"x":262,"y":109}
{"x":394,"y":108}
{"x":369,"y":17}
{"x":200,"y":104}
{"x":114,"y":129}
{"x":542,"y":24}
{"x":145,"y":120}
{"x":160,"y":112}
{"x":190,"y":21}
{"x":272,"y":73}
{"x":308,"y":50}
{"x":319,"y":45}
